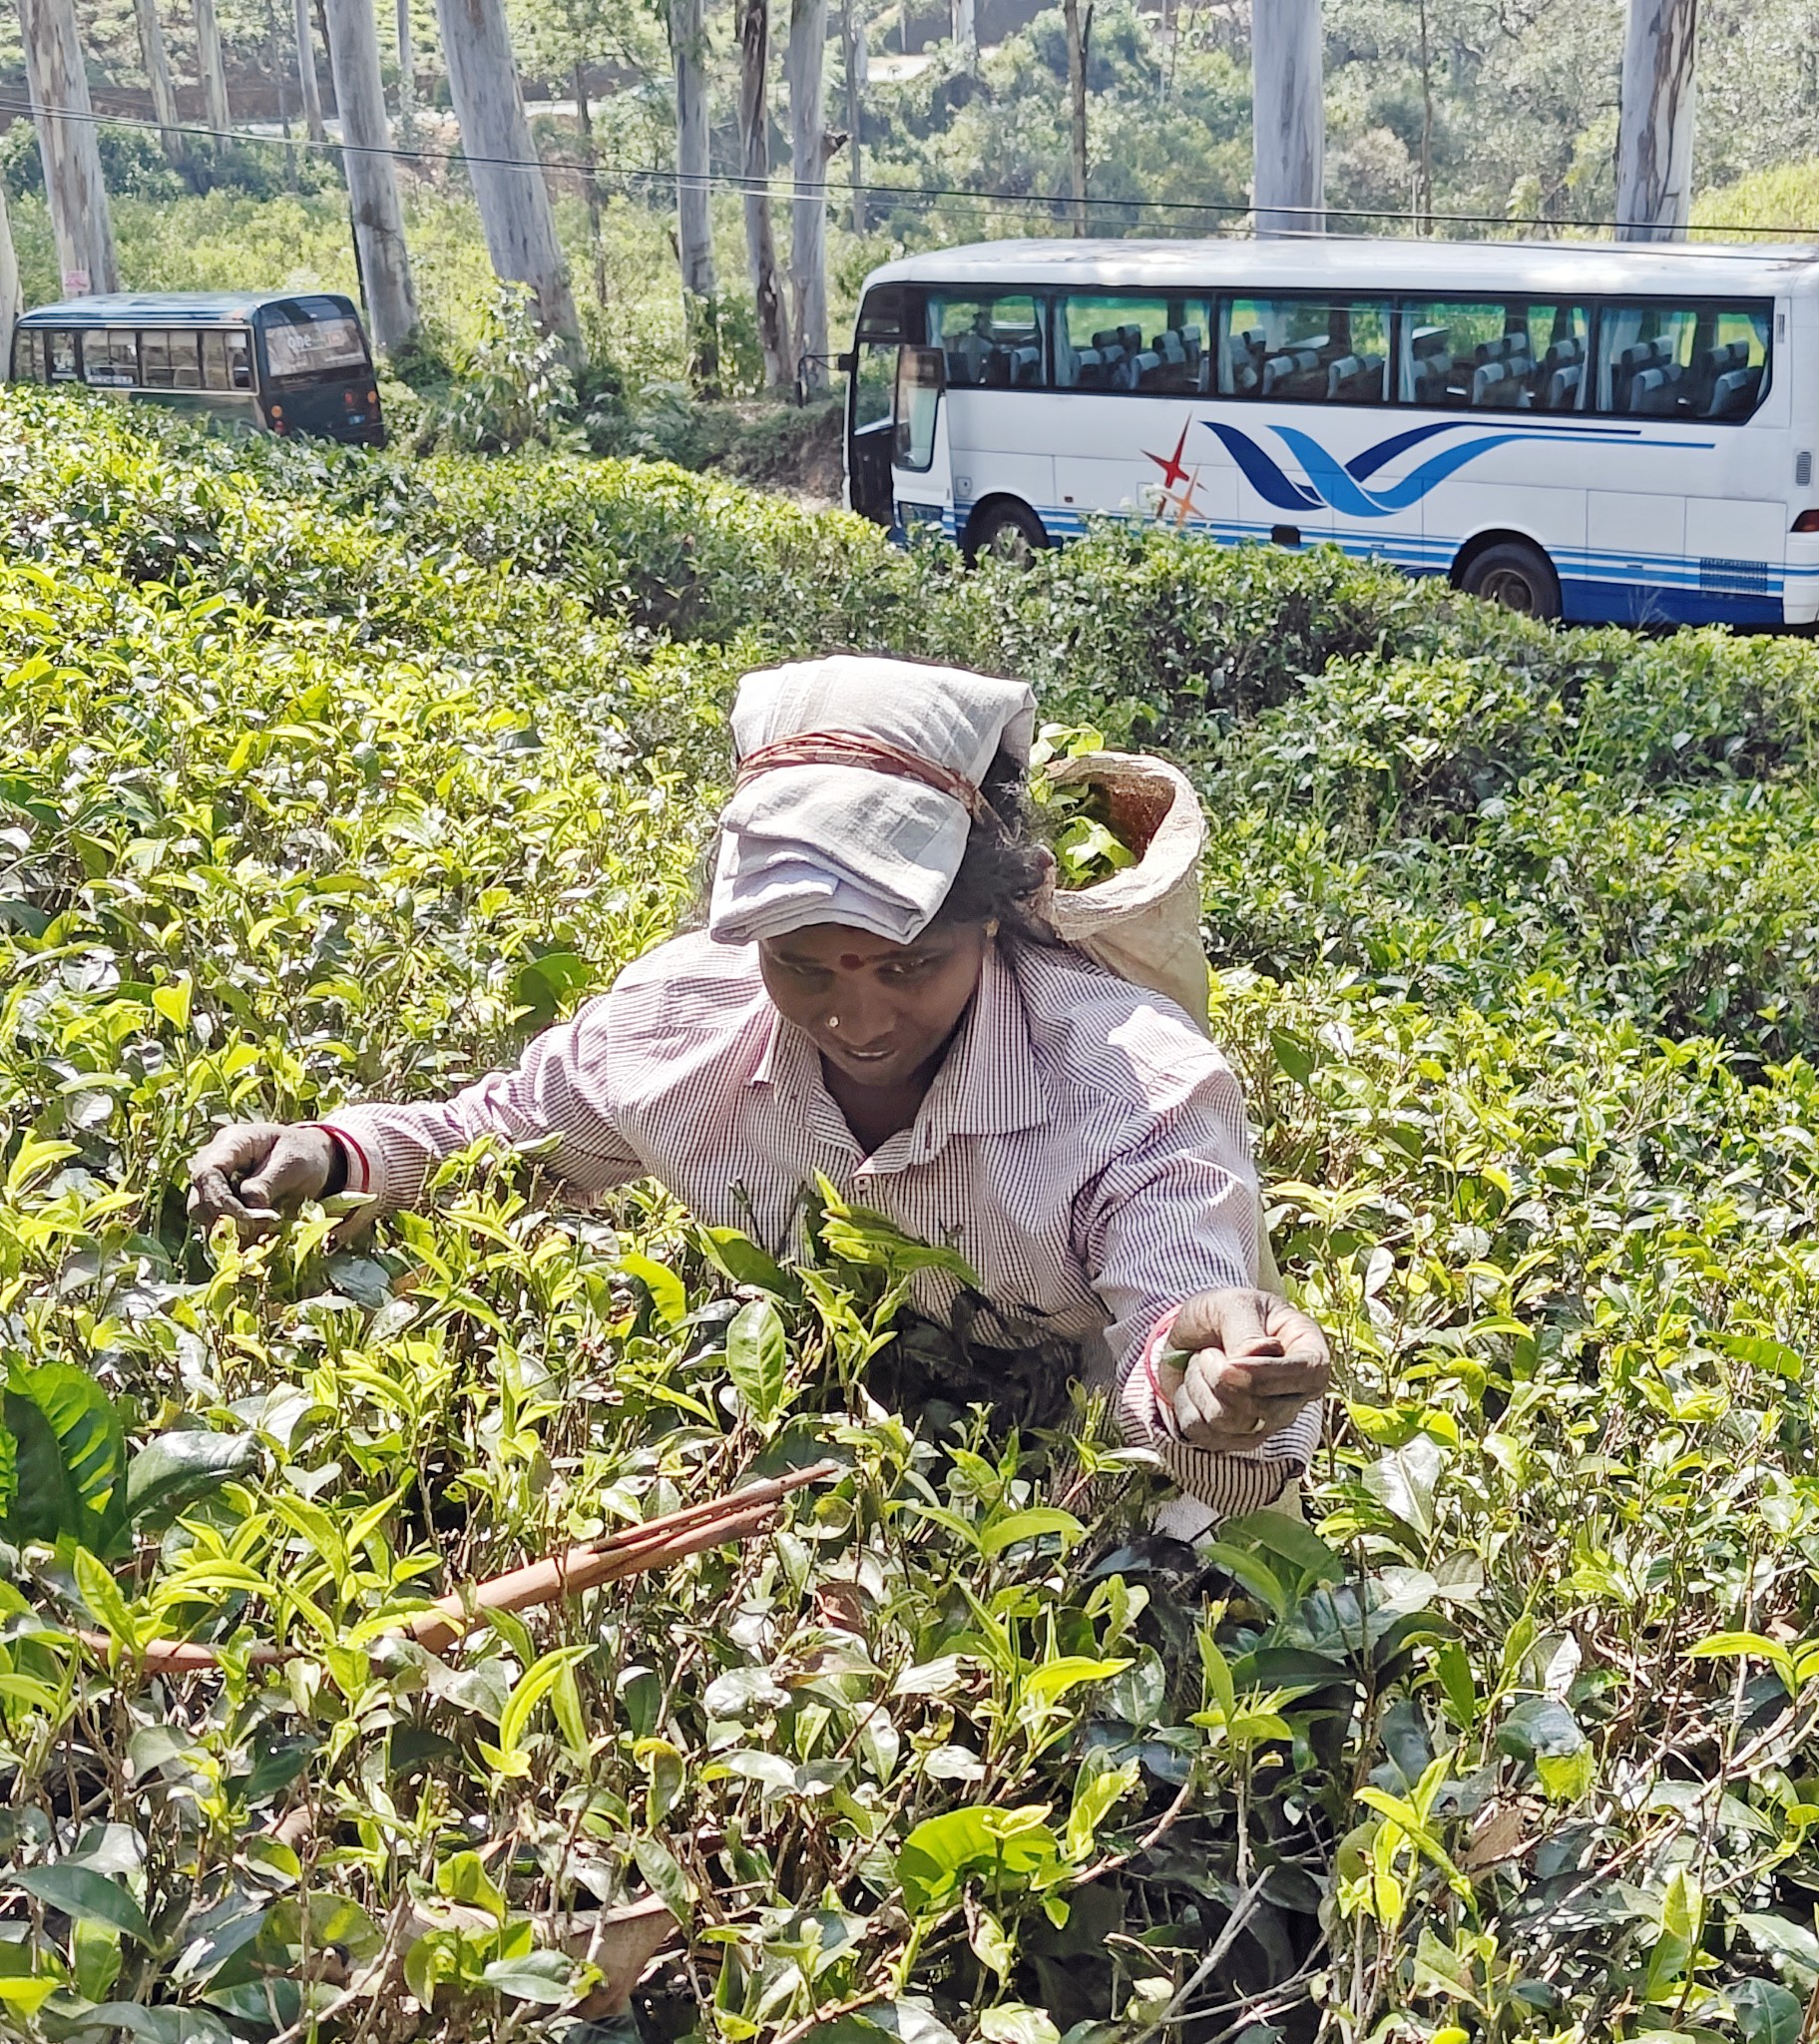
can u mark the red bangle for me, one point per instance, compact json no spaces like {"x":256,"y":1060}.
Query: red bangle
{"x":351,"y":1152}
{"x":1155,"y":1342}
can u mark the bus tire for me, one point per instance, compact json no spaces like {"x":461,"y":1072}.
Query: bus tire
{"x":1515,"y":574}
{"x":1006,"y":527}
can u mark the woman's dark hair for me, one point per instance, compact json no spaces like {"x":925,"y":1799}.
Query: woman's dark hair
{"x":1003,"y":868}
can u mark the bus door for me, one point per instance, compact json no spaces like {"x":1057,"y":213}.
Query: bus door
{"x":922,"y":469}
{"x":871,"y":372}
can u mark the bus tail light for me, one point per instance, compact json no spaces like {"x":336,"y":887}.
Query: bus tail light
{"x":1808,"y":521}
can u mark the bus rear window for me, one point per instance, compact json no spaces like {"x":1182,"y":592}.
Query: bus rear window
{"x":316,"y":350}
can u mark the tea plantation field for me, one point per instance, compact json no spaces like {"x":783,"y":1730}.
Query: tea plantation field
{"x":322,"y":776}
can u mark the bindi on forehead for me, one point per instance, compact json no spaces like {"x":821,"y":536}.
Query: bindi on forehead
{"x":850,"y":961}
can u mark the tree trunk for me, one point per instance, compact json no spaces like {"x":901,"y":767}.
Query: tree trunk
{"x":72,"y":161}
{"x":852,"y":38}
{"x":157,"y":77}
{"x":372,"y":186}
{"x":808,"y":212}
{"x":1427,"y":126}
{"x":1289,"y":118}
{"x":407,"y":76}
{"x":275,"y":66}
{"x":966,"y":32}
{"x":11,"y":302}
{"x":1079,"y":31}
{"x":213,"y":71}
{"x":597,"y":240}
{"x":501,"y":159}
{"x":761,"y":235}
{"x":693,"y":226}
{"x":313,"y":123}
{"x":1655,"y":134}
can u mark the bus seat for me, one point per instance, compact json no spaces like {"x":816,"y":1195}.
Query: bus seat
{"x":1561,"y":356}
{"x":1428,"y":341}
{"x":1089,"y":367}
{"x":1297,"y":369}
{"x":1711,"y":367}
{"x":1355,"y":379}
{"x":1168,"y":344}
{"x":1496,"y":382}
{"x":1190,"y":341}
{"x":1631,"y":362}
{"x":1560,"y":392}
{"x":1656,"y":392}
{"x":1131,"y":340}
{"x":1734,"y":393}
{"x":967,"y":358}
{"x":1140,"y":372}
{"x":1026,"y":366}
{"x":1434,"y":380}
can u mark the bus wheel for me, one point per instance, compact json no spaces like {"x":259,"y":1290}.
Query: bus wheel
{"x":1515,"y":575}
{"x":1007,"y":528}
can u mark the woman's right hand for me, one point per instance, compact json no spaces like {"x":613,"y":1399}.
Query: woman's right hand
{"x":249,"y":1170}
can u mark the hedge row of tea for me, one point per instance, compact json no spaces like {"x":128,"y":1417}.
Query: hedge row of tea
{"x":322,"y":776}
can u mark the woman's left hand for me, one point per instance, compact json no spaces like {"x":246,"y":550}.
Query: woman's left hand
{"x":1253,"y":1362}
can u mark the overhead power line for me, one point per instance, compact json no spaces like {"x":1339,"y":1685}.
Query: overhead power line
{"x":782,"y":183}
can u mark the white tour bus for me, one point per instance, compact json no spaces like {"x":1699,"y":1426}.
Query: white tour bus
{"x":1576,"y":429}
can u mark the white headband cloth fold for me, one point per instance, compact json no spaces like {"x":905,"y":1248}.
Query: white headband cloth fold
{"x":859,"y":779}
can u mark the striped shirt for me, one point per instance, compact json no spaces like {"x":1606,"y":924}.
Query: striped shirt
{"x":1082,"y":1147}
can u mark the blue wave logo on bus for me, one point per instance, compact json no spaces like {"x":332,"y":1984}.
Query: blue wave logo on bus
{"x":1338,"y":485}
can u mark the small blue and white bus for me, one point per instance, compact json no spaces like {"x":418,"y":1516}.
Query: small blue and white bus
{"x":1580,"y":430}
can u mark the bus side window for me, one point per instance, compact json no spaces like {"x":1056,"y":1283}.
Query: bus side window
{"x":154,"y":360}
{"x":991,"y":341}
{"x":28,"y":355}
{"x":1119,"y":341}
{"x":1664,"y":360}
{"x":1673,"y":361}
{"x":60,"y":350}
{"x":226,"y":363}
{"x":1305,"y":350}
{"x":110,"y":357}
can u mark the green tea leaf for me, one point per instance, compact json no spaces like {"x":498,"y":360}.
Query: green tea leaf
{"x":80,"y":1892}
{"x":757,"y":1359}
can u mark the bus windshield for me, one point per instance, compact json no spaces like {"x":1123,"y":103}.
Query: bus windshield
{"x":320,"y":351}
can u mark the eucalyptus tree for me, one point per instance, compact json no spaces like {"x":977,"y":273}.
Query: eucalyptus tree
{"x":1288,"y":117}
{"x":59,"y":86}
{"x":314,"y":124}
{"x":372,"y":183}
{"x":753,"y":23}
{"x":502,"y":163}
{"x":693,"y":223}
{"x":808,"y":151}
{"x":157,"y":61}
{"x":1656,"y":117}
{"x":212,"y":65}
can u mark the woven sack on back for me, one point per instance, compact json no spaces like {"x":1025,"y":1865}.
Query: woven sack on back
{"x":1144,"y":923}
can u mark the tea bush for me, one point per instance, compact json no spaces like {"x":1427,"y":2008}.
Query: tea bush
{"x":326,"y":775}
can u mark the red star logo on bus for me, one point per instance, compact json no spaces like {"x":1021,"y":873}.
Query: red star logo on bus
{"x":1174,"y":470}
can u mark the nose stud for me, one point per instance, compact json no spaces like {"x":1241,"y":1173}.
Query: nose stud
{"x":833,"y":1022}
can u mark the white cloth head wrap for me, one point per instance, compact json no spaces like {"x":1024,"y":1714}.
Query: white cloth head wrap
{"x":873,"y":850}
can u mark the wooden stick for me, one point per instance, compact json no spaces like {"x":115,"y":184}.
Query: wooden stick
{"x":632,"y":1551}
